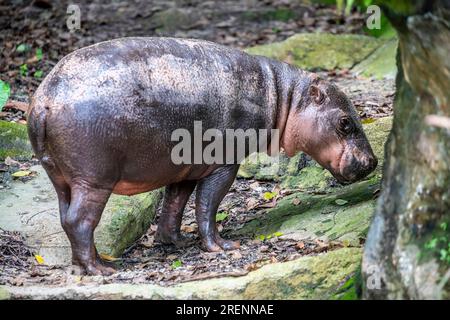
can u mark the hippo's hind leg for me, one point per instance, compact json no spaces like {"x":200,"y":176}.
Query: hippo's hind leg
{"x":210,"y":192}
{"x":86,"y":207}
{"x":62,"y":188}
{"x":175,"y":199}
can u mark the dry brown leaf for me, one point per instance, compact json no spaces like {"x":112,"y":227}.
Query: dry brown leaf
{"x":300,"y":245}
{"x":188,"y":229}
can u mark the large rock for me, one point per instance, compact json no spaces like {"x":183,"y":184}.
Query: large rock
{"x":325,"y":276}
{"x":320,"y":51}
{"x":32,"y":208}
{"x":341,"y":215}
{"x":14,"y":141}
{"x":125,"y":220}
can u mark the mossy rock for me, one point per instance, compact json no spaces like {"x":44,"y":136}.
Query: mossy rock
{"x":263,"y":167}
{"x":320,"y":51}
{"x":377,"y":133}
{"x":124,"y":220}
{"x":380,"y":64}
{"x":14,"y":141}
{"x":341,"y":215}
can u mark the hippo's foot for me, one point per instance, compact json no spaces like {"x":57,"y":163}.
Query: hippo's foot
{"x":174,"y":238}
{"x":215,"y":244}
{"x":98,"y":267}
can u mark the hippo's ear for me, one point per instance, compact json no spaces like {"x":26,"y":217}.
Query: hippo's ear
{"x":316,"y":94}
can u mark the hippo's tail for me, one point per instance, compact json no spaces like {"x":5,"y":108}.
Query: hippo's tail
{"x":36,"y":120}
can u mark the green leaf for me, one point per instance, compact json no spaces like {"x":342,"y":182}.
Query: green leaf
{"x":221,"y":216}
{"x":444,"y":254}
{"x":341,"y":202}
{"x":22,"y":48}
{"x":176,"y":264}
{"x":23,"y":70}
{"x":431,"y":244}
{"x":348,"y":7}
{"x":269,"y":195}
{"x":278,"y":234}
{"x":39,"y":54}
{"x":368,"y":120}
{"x":443,"y":226}
{"x":5,"y":90}
{"x":38,"y":74}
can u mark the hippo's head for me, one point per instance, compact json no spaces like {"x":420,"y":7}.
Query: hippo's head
{"x":326,"y":126}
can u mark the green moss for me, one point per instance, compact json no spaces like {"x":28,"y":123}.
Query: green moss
{"x":4,"y":294}
{"x":377,"y":133}
{"x":380,"y":64}
{"x":351,"y":289}
{"x":14,"y":141}
{"x":308,"y":50}
{"x":313,"y":177}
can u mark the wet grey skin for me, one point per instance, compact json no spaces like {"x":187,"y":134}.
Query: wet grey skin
{"x":101,"y":123}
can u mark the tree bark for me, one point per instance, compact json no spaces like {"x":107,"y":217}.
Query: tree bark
{"x":407,"y":253}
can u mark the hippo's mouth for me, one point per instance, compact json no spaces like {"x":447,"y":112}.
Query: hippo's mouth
{"x":338,"y":173}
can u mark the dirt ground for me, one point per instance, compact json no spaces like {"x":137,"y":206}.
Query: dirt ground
{"x":41,"y":24}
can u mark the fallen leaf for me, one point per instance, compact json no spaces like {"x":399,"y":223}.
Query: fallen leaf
{"x":22,"y":173}
{"x":341,"y":202}
{"x":296,"y":201}
{"x":269,"y":195}
{"x":39,"y":259}
{"x":300,"y":245}
{"x":188,"y":229}
{"x":236,"y":255}
{"x":221,"y":216}
{"x":251,"y":203}
{"x":9,"y":161}
{"x":278,"y":234}
{"x":176,"y":264}
{"x":368,"y":120}
{"x":107,"y":257}
{"x":254,"y":185}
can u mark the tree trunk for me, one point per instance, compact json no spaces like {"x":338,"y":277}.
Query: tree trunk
{"x":407,"y":253}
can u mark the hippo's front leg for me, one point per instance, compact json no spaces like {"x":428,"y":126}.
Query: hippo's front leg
{"x":175,"y":199}
{"x":210,"y":192}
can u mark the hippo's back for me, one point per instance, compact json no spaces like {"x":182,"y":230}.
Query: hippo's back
{"x":135,"y":77}
{"x":122,"y":99}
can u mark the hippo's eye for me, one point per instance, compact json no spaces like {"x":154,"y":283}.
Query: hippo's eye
{"x":345,"y":126}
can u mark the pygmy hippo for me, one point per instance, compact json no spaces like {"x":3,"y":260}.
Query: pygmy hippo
{"x":101,"y":123}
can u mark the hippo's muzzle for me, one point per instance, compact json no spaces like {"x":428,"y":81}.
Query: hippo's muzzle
{"x":355,"y":165}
